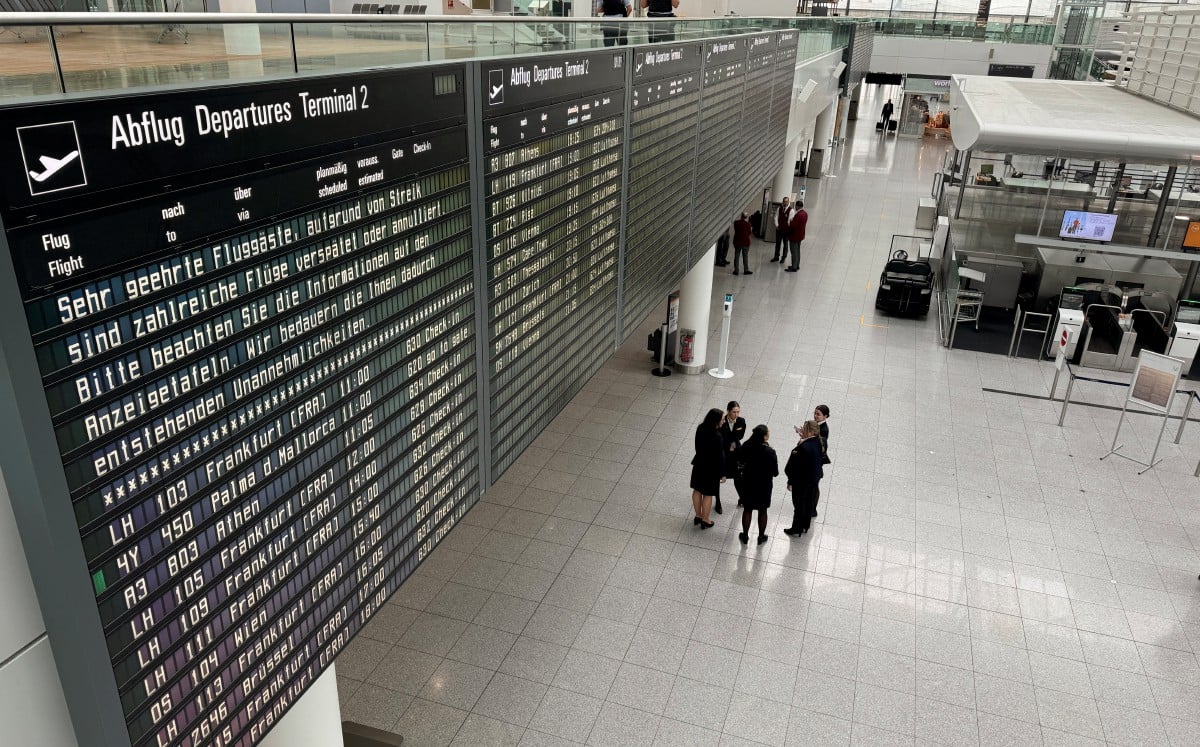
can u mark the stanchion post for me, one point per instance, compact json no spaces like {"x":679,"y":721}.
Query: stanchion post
{"x":1054,"y":385}
{"x":662,"y":369}
{"x":1187,"y":411}
{"x":1066,"y":399}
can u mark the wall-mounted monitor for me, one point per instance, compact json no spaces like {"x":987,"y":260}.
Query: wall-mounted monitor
{"x":1088,"y":226}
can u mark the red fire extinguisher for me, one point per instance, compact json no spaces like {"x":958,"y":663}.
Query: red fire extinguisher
{"x":687,"y":339}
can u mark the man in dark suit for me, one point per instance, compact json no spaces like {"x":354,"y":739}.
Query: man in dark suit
{"x":782,"y":217}
{"x":796,"y":228}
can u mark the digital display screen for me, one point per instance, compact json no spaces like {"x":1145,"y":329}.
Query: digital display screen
{"x":1088,"y":226}
{"x":262,"y":384}
{"x":553,"y":173}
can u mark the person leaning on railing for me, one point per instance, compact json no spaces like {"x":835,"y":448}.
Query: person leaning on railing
{"x":614,"y":33}
{"x":660,"y":9}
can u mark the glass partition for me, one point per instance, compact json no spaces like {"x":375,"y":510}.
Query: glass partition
{"x":192,"y":48}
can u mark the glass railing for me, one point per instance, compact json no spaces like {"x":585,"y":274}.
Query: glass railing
{"x":104,"y":51}
{"x":1008,"y":33}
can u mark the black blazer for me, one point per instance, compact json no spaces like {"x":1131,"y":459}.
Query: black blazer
{"x":710,"y":453}
{"x":760,"y":468}
{"x":731,"y":439}
{"x":804,"y":464}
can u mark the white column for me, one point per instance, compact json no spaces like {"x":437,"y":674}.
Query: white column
{"x":314,"y":719}
{"x":844,"y":120}
{"x":695,"y":298}
{"x":242,"y":39}
{"x":33,"y":709}
{"x":785,"y":178}
{"x":823,"y":132}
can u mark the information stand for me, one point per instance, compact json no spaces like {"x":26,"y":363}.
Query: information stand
{"x":1154,"y":383}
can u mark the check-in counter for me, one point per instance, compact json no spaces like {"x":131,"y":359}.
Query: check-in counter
{"x":1059,"y":269}
{"x":1152,"y":274}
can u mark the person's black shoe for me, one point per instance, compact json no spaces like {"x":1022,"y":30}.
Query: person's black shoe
{"x":747,"y":272}
{"x":745,"y":538}
{"x":707,"y":524}
{"x":717,"y":506}
{"x":735,"y":272}
{"x":814,"y":513}
{"x":774,"y":259}
{"x":762,"y":538}
{"x":791,"y":532}
{"x":696,"y":521}
{"x":788,"y":269}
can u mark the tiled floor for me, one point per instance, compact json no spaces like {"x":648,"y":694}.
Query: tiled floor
{"x":978,"y":575}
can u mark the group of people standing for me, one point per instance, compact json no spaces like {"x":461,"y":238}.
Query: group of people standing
{"x":753,"y":466}
{"x":790,"y":222}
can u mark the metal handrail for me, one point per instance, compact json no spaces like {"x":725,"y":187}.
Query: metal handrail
{"x":469,"y":36}
{"x":1019,"y":330}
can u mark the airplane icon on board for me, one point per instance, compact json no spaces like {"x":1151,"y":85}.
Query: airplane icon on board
{"x":51,"y":166}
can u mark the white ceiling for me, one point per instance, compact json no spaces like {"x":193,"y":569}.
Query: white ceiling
{"x":1067,"y":118}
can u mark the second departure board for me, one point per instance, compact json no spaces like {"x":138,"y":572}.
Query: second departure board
{"x":720,"y":169}
{"x":665,"y":114}
{"x":782,"y":98}
{"x":554,"y":135}
{"x":244,"y":354}
{"x":760,"y":80}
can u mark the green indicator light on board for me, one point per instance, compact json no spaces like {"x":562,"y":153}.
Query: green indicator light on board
{"x":98,"y":582}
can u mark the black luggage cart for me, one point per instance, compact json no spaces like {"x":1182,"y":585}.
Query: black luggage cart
{"x":905,"y":286}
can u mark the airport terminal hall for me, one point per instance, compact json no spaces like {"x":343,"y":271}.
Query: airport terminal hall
{"x":613,"y":373}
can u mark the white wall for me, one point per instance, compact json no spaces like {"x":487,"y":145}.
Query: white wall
{"x":904,"y":54}
{"x":753,"y":8}
{"x":33,"y":710}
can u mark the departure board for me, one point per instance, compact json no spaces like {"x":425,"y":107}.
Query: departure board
{"x":720,"y":171}
{"x":253,"y":312}
{"x":758,"y":159}
{"x":665,"y":113}
{"x":784,"y":67}
{"x":554,"y":134}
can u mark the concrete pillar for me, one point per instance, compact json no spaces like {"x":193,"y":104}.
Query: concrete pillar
{"x":785,"y":178}
{"x":844,"y":118}
{"x":242,"y":39}
{"x":695,"y":298}
{"x":314,"y":719}
{"x":823,"y":133}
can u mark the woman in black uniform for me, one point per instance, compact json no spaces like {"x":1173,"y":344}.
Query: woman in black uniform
{"x":803,"y":472}
{"x":708,"y":467}
{"x":733,"y":430}
{"x":758,"y":466}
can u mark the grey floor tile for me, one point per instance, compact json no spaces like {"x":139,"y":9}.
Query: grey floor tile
{"x":430,"y":723}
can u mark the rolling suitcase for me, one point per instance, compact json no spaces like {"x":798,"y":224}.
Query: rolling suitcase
{"x":905,"y":286}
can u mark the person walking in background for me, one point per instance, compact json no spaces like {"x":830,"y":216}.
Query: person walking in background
{"x":804,"y":473}
{"x":741,"y":244}
{"x":783,"y":216}
{"x":614,"y":33}
{"x":796,"y":226}
{"x":708,"y":467}
{"x":756,"y":466}
{"x":886,"y":115}
{"x":733,"y":430}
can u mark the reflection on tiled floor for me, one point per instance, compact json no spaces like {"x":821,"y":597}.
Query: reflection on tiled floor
{"x":978,"y":575}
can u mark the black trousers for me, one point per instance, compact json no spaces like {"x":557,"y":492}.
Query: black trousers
{"x":804,"y":502}
{"x":780,"y":241}
{"x":744,"y":253}
{"x":615,"y":33}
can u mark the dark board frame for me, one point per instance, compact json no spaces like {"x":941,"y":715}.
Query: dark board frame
{"x":253,"y":178}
